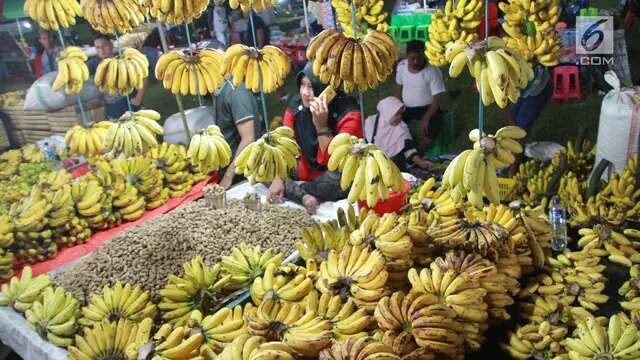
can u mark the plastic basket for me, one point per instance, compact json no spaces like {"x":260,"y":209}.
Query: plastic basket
{"x":505,"y":185}
{"x":395,"y":202}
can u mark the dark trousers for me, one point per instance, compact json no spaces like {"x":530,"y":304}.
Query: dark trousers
{"x":416,"y":114}
{"x":325,"y":187}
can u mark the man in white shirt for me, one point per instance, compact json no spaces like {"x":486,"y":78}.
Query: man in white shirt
{"x":420,"y":87}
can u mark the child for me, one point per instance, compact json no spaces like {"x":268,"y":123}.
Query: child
{"x":387,"y":131}
{"x":420,"y":86}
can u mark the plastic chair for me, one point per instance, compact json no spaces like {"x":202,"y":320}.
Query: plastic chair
{"x":566,"y":83}
{"x":407,"y":33}
{"x":395,"y":33}
{"x":422,"y":32}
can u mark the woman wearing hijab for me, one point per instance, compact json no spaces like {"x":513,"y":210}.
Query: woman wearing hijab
{"x":387,"y":131}
{"x":315,"y":122}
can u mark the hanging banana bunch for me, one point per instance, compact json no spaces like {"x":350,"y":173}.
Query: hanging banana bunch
{"x":53,"y":14}
{"x":122,"y":74}
{"x":371,"y":11}
{"x":500,"y":72}
{"x":251,"y":66}
{"x":72,"y":70}
{"x":114,"y":16}
{"x":274,"y":154}
{"x":134,"y":133}
{"x":209,"y":150}
{"x":362,"y":63}
{"x":257,"y":6}
{"x":530,"y":28}
{"x":178,"y":11}
{"x":190,"y":72}
{"x":87,"y":142}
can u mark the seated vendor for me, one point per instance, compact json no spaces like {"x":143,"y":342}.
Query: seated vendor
{"x":315,"y":122}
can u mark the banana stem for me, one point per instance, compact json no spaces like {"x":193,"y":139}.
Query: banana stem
{"x":165,"y":49}
{"x":354,"y":20}
{"x":186,"y":29}
{"x":83,"y":116}
{"x":120,"y":54}
{"x":262,"y":97}
{"x":480,"y":104}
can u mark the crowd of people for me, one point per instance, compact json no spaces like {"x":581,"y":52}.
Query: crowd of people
{"x":415,"y":104}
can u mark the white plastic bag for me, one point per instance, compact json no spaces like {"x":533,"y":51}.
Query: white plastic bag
{"x":197,"y":118}
{"x":619,"y":124}
{"x":41,"y":97}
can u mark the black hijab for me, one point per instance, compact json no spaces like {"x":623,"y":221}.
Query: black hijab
{"x":305,"y":130}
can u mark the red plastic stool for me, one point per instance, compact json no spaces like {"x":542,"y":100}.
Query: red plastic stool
{"x":566,"y":83}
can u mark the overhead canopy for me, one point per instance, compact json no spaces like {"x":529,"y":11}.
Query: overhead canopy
{"x":12,"y":9}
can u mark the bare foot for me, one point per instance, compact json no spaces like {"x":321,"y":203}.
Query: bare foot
{"x":310,"y":203}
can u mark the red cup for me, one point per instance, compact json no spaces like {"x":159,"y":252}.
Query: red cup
{"x":395,"y":202}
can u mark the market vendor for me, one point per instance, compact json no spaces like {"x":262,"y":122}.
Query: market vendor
{"x":420,"y":87}
{"x":115,"y":106}
{"x":50,"y":51}
{"x":315,"y":122}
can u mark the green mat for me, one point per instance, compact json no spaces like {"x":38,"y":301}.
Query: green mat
{"x":445,"y":141}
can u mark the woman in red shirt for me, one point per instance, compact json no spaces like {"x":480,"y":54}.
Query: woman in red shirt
{"x":315,"y":122}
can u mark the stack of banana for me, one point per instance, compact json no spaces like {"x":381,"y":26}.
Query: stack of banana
{"x":530,"y":28}
{"x":21,"y":292}
{"x":619,"y":339}
{"x":273,"y":155}
{"x":602,"y":240}
{"x":9,"y":163}
{"x":134,"y":133}
{"x":499,"y":71}
{"x":33,"y":239}
{"x":53,"y":14}
{"x":537,"y":341}
{"x":347,"y":319}
{"x":320,"y":238}
{"x":87,"y":142}
{"x":172,"y":160}
{"x":122,"y":74}
{"x":281,"y":283}
{"x":355,"y":64}
{"x":93,"y":203}
{"x":118,"y":302}
{"x":258,"y":6}
{"x":359,"y":348}
{"x":457,"y":23}
{"x":221,"y":328}
{"x":110,"y":339}
{"x":55,"y":316}
{"x":364,"y":168}
{"x":247,"y":263}
{"x":581,"y":156}
{"x":473,"y":172}
{"x":209,"y":150}
{"x":190,"y":72}
{"x":6,"y":240}
{"x":32,"y":153}
{"x":142,"y":172}
{"x":177,"y":11}
{"x":72,"y":70}
{"x":371,"y":11}
{"x":263,"y":69}
{"x":114,"y":16}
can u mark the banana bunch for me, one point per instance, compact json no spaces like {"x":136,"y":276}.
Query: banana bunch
{"x":388,"y":234}
{"x":246,"y":5}
{"x":340,"y":60}
{"x":87,"y":142}
{"x":354,"y":272}
{"x":539,"y":187}
{"x":365,"y":168}
{"x":6,"y":264}
{"x":403,"y":345}
{"x":347,"y":319}
{"x":110,"y":339}
{"x":29,"y":214}
{"x":53,"y":14}
{"x":619,"y":199}
{"x":473,"y":172}
{"x":243,"y":347}
{"x":618,"y":340}
{"x":358,"y":348}
{"x":348,"y":218}
{"x":190,"y":72}
{"x":122,"y":74}
{"x":530,"y":29}
{"x":503,"y":217}
{"x":9,"y":163}
{"x":500,"y":72}
{"x":142,"y":172}
{"x":172,"y":160}
{"x":6,"y":231}
{"x":581,"y":157}
{"x":168,"y":342}
{"x":32,"y":153}
{"x":92,"y":201}
{"x":320,"y":238}
{"x":538,"y":234}
{"x":54,"y":317}
{"x":198,"y":282}
{"x":263,"y":69}
{"x":72,"y":70}
{"x":549,"y":308}
{"x":537,"y":340}
{"x":446,"y":29}
{"x":631,"y":288}
{"x":118,"y":302}
{"x":220,"y":328}
{"x":371,"y":11}
{"x":304,"y":332}
{"x":21,"y":292}
{"x":115,"y":16}
{"x":55,"y":180}
{"x":246,"y":264}
{"x":62,"y":206}
{"x":487,"y":238}
{"x":209,"y":149}
{"x":177,"y":11}
{"x":274,"y":154}
{"x":76,"y":231}
{"x":134,"y":133}
{"x":602,"y":240}
{"x":281,"y":284}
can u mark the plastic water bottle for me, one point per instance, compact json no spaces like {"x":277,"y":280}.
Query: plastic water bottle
{"x":558,"y":225}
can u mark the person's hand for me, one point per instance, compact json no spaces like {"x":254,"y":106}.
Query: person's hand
{"x":136,"y":100}
{"x":319,"y":113}
{"x":276,"y":191}
{"x":226,"y":182}
{"x":420,"y":162}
